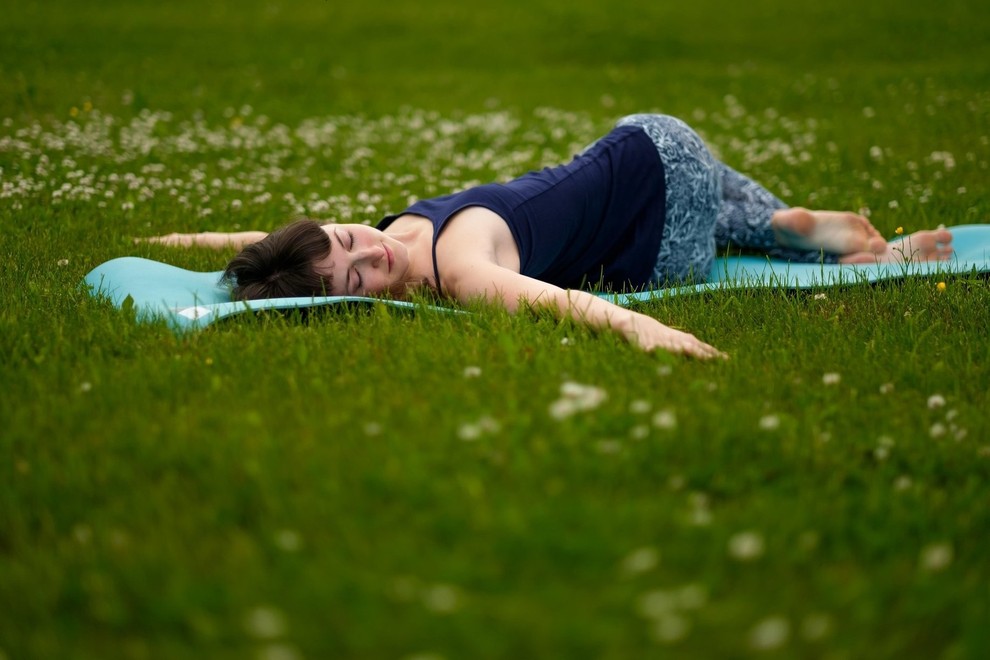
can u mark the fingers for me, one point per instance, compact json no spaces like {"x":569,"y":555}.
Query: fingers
{"x":703,"y":351}
{"x":691,"y":346}
{"x":650,"y":335}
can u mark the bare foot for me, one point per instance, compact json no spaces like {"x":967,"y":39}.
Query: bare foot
{"x":835,"y":232}
{"x":926,"y":245}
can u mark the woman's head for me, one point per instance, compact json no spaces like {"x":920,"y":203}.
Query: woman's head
{"x":281,"y":265}
{"x":308,"y":259}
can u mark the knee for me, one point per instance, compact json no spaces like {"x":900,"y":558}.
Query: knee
{"x":674,"y":130}
{"x":667,"y":123}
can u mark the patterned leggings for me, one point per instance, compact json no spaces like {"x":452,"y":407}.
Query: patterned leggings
{"x":710,"y":206}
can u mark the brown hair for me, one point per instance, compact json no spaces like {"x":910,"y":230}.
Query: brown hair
{"x":281,"y":265}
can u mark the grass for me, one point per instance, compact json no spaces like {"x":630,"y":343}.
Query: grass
{"x":377,"y":484}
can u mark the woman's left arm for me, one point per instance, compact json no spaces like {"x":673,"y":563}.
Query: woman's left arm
{"x":469,"y":280}
{"x":210,"y":239}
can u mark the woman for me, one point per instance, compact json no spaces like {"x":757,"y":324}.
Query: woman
{"x":645,"y":206}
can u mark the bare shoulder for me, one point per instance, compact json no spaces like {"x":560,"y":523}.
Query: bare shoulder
{"x":477,"y":234}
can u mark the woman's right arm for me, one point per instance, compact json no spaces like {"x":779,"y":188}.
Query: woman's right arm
{"x":469,"y":280}
{"x":210,"y":239}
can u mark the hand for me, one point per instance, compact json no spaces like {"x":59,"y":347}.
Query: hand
{"x":649,"y":334}
{"x":173,"y":240}
{"x":207,"y":239}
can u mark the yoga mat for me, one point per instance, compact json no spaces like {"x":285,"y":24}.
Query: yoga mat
{"x":189,"y":300}
{"x":971,"y":252}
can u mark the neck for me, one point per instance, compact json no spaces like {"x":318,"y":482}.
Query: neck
{"x":416,"y":233}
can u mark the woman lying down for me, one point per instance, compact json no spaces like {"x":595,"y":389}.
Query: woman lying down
{"x":645,"y":206}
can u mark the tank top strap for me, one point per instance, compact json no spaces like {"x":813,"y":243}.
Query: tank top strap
{"x":436,"y":271}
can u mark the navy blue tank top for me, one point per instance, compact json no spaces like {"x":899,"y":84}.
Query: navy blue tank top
{"x":595,"y":222}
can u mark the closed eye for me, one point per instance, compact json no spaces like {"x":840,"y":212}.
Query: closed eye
{"x":359,"y":281}
{"x":347,"y":284}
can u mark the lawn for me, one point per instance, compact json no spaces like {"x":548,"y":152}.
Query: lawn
{"x":369,"y":483}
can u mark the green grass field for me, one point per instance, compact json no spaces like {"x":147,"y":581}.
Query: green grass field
{"x":375,"y":484}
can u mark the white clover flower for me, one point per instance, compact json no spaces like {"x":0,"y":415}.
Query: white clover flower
{"x":265,"y":622}
{"x":882,"y":451}
{"x":821,"y":296}
{"x":441,"y":598}
{"x":576,"y":397}
{"x":700,"y":517}
{"x":278,"y":651}
{"x":472,"y":371}
{"x":563,"y":408}
{"x":288,"y":540}
{"x":63,"y":262}
{"x":639,"y":407}
{"x":936,"y":401}
{"x":665,"y":419}
{"x":831,"y":378}
{"x":886,"y":388}
{"x":937,"y":430}
{"x":770,"y":422}
{"x":641,"y":560}
{"x":572,"y":390}
{"x":473,"y":431}
{"x":770,"y":633}
{"x":671,"y":628}
{"x":657,"y":603}
{"x":746,"y":546}
{"x":936,"y":556}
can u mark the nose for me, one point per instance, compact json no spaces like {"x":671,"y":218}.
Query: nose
{"x":373,"y":254}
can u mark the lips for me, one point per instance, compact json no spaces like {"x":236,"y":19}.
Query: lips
{"x":391,"y":257}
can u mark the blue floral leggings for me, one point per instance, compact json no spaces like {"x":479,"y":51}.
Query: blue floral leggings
{"x":710,"y":206}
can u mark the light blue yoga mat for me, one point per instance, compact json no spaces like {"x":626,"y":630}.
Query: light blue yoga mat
{"x":189,"y":300}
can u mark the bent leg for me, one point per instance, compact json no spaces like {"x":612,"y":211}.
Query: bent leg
{"x":693,"y":195}
{"x":746,"y":220}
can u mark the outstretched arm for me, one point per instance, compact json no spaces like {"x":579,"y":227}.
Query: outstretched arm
{"x":491,"y":282}
{"x":211,"y":239}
